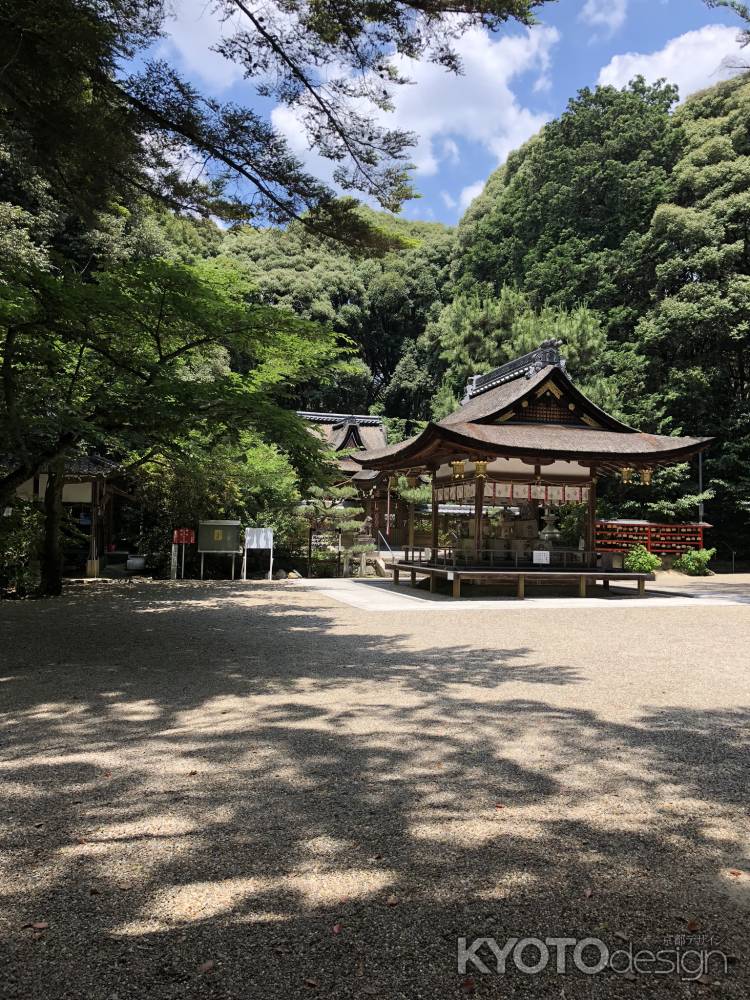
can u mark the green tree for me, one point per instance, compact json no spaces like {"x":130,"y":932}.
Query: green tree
{"x":92,"y":112}
{"x":479,"y":331}
{"x":377,"y":306}
{"x":248,"y":480}
{"x":136,"y":357}
{"x":564,"y":219}
{"x":697,"y":335}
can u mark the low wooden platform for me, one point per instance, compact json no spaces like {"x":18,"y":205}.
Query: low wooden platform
{"x":583,"y":577}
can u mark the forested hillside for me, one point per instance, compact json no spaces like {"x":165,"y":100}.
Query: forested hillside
{"x":163,"y":322}
{"x":621,"y":228}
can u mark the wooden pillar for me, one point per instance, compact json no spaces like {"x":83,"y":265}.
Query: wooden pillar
{"x":591,"y":519}
{"x":92,"y":564}
{"x":410,"y":531}
{"x":456,"y":586}
{"x":435,"y":515}
{"x":478,"y":511}
{"x":521,"y":587}
{"x":582,"y":581}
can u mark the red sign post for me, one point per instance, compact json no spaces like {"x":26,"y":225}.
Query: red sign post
{"x":183,"y":537}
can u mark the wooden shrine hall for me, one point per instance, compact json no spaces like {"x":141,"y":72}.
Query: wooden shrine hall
{"x":525,"y":441}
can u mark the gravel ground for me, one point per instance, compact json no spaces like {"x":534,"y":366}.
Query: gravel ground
{"x":252,"y":791}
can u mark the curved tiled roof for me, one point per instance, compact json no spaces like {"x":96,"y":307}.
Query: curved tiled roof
{"x":544,"y":440}
{"x":471,"y":428}
{"x":496,"y":401}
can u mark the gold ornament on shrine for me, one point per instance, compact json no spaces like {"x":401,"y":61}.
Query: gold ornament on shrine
{"x":646,"y":476}
{"x":627,"y":474}
{"x":480,"y":469}
{"x":458,"y":469}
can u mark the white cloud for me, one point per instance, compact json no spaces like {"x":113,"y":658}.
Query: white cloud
{"x":609,"y":15}
{"x":442,"y":108}
{"x":692,"y":61}
{"x":469,"y":193}
{"x":448,"y":200}
{"x":192,"y":33}
{"x":451,"y":151}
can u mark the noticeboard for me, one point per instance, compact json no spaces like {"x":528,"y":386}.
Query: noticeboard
{"x":220,"y":536}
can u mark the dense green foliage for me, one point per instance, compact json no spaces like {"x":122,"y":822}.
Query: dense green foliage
{"x":20,"y":539}
{"x":247,"y":480}
{"x":97,"y":115}
{"x":134,"y":326}
{"x":640,"y":560}
{"x":377,"y":306}
{"x":695,"y":562}
{"x":636,"y":215}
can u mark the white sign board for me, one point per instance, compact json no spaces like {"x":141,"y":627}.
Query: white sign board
{"x":541,"y":558}
{"x":258,"y":538}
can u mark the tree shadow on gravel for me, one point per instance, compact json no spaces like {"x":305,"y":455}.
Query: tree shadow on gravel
{"x":319,"y":810}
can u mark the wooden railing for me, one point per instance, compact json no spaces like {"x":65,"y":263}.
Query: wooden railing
{"x":449,"y":557}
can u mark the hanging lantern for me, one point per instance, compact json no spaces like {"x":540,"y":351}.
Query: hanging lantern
{"x":646,"y":476}
{"x":627,"y":474}
{"x":392,"y":483}
{"x":458,"y":469}
{"x":411,"y":482}
{"x":480,"y":469}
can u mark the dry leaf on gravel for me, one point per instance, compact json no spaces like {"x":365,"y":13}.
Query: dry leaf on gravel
{"x":313,"y":984}
{"x":337,"y":929}
{"x":207,"y":966}
{"x":588,"y":892}
{"x":392,"y":901}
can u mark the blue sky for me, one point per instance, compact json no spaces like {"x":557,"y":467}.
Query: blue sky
{"x":513,"y":82}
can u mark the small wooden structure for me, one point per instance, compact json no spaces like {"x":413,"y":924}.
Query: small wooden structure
{"x":524,"y":441}
{"x":346,"y":435}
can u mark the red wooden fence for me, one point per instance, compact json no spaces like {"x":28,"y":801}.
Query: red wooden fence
{"x":661,"y":539}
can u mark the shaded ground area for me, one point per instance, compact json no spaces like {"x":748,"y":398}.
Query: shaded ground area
{"x":240,"y":791}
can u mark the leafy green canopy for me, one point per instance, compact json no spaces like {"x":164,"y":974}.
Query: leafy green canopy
{"x":247,"y":479}
{"x":479,"y":331}
{"x":136,"y":356}
{"x":377,"y":306}
{"x":96,"y":116}
{"x":564,"y":220}
{"x":697,"y":334}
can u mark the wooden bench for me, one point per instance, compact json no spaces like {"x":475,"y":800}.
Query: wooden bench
{"x":456,"y":576}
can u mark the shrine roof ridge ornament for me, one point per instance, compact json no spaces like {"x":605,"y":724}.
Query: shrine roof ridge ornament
{"x":362,"y":419}
{"x":548,"y":353}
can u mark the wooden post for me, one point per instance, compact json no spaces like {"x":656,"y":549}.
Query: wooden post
{"x":92,"y":564}
{"x":456,"y":586}
{"x":410,"y":538}
{"x":591,"y":519}
{"x":478,"y":510}
{"x":641,"y":588}
{"x":521,"y":587}
{"x":395,"y":575}
{"x":435,"y":515}
{"x":433,"y":583}
{"x":413,"y":578}
{"x":582,"y":586}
